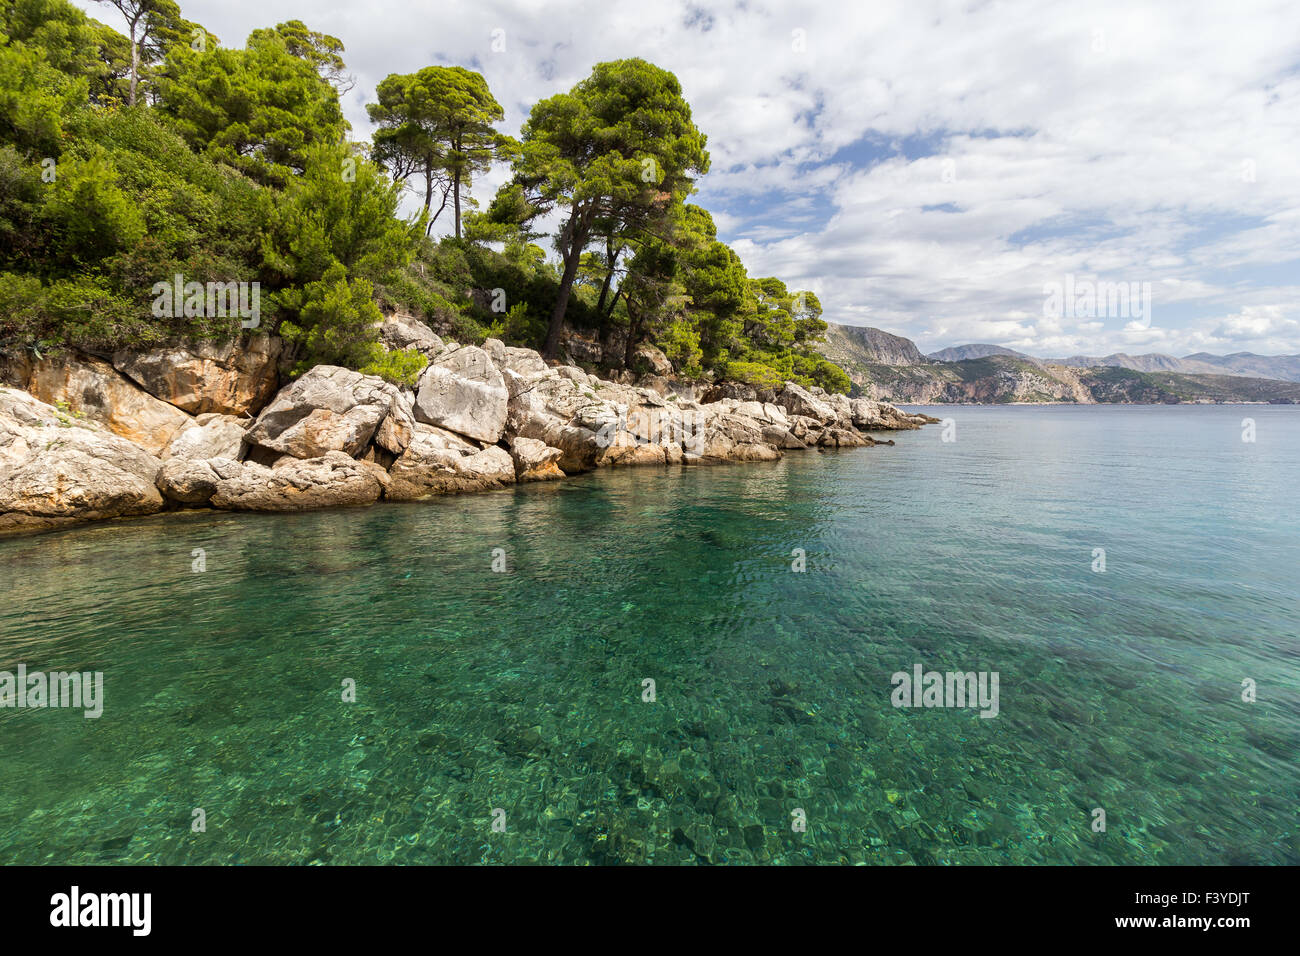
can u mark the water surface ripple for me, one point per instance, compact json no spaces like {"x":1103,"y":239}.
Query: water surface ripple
{"x":523,"y":690}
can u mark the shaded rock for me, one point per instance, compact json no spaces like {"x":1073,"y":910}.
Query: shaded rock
{"x":55,"y":470}
{"x":231,"y":378}
{"x":394,"y":432}
{"x":16,"y":368}
{"x":653,"y":360}
{"x":194,"y":481}
{"x":331,"y":480}
{"x":804,"y":429}
{"x":463,"y":391}
{"x":211,"y":435}
{"x":330,"y":409}
{"x":535,"y":460}
{"x":93,"y":389}
{"x":581,"y":347}
{"x":734,"y":390}
{"x":438,"y":462}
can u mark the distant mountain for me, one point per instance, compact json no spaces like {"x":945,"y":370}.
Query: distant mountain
{"x":869,"y":345}
{"x":959,"y":353}
{"x":1151,"y":362}
{"x":890,"y":367}
{"x":1284,"y":367}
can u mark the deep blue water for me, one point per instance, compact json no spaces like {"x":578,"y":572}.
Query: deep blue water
{"x":522,"y":691}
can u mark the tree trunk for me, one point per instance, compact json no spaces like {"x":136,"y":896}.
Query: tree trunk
{"x":633,"y":332}
{"x":609,"y":313}
{"x":135,"y":64}
{"x":562,"y":301}
{"x":609,"y":276}
{"x":456,"y":190}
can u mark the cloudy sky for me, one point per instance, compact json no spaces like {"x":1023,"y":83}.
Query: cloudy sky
{"x":932,"y":168}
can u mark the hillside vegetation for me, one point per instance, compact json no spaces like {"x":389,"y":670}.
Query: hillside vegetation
{"x":218,"y":164}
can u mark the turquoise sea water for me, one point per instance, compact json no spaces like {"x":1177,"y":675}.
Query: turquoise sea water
{"x":522,"y":691}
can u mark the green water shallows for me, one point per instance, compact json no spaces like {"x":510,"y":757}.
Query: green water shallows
{"x":523,"y":690}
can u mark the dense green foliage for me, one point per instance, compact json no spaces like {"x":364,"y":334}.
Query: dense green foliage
{"x":437,"y":123}
{"x":234,"y":166}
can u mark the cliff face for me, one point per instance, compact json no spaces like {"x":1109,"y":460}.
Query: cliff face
{"x":856,"y":344}
{"x":988,"y":381}
{"x":200,"y":426}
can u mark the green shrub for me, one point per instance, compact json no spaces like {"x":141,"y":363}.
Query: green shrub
{"x":400,"y":368}
{"x":337,"y":321}
{"x":755,"y":375}
{"x":83,"y":310}
{"x":680,"y":342}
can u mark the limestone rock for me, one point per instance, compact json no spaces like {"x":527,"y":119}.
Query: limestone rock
{"x":550,"y":407}
{"x":232,"y":378}
{"x":438,"y":462}
{"x":797,"y":400}
{"x":330,"y":409}
{"x":211,"y":435}
{"x":400,"y":331}
{"x":535,"y":460}
{"x":734,"y":390}
{"x":194,"y":481}
{"x":653,"y":360}
{"x":464,"y":392}
{"x":91,"y":388}
{"x":330,"y":480}
{"x":16,"y":368}
{"x":56,"y":470}
{"x":880,"y":415}
{"x":394,"y":432}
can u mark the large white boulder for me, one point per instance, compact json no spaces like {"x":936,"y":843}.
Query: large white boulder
{"x":463,"y":391}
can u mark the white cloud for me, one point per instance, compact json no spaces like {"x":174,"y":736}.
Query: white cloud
{"x":1121,"y":140}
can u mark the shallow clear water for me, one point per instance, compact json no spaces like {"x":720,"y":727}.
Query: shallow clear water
{"x":523,"y":690}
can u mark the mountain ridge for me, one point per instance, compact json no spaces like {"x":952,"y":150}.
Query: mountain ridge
{"x":1284,"y":368}
{"x":883,"y":366}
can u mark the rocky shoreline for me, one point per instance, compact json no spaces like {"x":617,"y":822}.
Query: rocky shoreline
{"x":85,"y":438}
